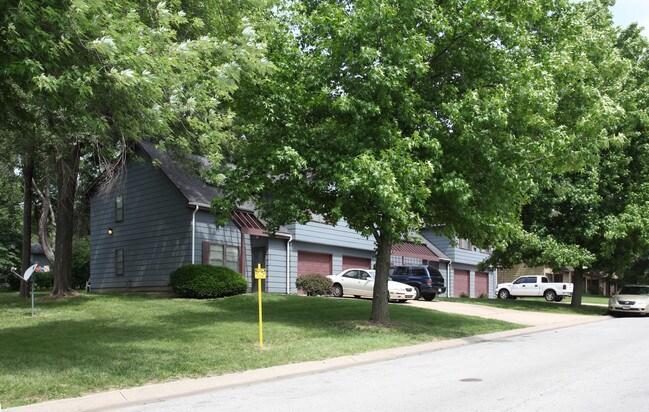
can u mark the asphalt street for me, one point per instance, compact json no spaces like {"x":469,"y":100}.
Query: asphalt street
{"x":600,"y":366}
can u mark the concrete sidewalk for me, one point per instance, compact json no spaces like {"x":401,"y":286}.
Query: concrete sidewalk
{"x":111,"y":400}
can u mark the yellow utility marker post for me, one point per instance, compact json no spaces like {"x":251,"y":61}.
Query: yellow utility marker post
{"x":260,"y":274}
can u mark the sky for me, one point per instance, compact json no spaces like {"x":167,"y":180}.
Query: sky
{"x":626,"y":12}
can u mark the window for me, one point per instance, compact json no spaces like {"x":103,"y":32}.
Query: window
{"x":119,"y":262}
{"x":224,"y":255}
{"x":352,"y":274}
{"x":119,"y":209}
{"x":464,"y":244}
{"x":418,"y":272}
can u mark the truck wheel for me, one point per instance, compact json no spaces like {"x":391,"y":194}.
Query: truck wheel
{"x":430,"y":297}
{"x":503,"y":294}
{"x":337,"y":290}
{"x":558,"y":299}
{"x":417,"y":293}
{"x":550,"y":295}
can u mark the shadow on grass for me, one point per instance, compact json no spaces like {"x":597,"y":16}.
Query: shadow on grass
{"x":99,"y":341}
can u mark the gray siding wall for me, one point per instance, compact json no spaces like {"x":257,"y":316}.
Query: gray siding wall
{"x":340,"y":235}
{"x":276,"y":266}
{"x":470,"y":257}
{"x":155,"y":232}
{"x":206,"y":231}
{"x":462,"y":259}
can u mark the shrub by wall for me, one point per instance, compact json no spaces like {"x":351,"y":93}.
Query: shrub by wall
{"x":314,"y":284}
{"x":206,"y":281}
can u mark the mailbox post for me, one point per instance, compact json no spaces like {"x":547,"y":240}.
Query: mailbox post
{"x":28,"y":274}
{"x":260,"y":273}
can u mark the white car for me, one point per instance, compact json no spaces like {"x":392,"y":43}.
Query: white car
{"x":360,"y":282}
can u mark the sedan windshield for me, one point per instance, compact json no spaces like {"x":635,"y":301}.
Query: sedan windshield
{"x":634,"y":290}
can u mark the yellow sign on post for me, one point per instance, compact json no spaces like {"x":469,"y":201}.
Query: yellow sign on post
{"x":260,"y":273}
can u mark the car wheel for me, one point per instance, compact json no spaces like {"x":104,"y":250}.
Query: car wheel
{"x":429,"y":297}
{"x":550,"y":295}
{"x":503,"y":294}
{"x":417,"y":293}
{"x":337,"y":290}
{"x":558,"y":299}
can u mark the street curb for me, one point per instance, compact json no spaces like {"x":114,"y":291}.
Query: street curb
{"x":185,"y":387}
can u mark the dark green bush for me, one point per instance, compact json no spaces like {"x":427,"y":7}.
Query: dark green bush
{"x":314,"y":284}
{"x":206,"y":281}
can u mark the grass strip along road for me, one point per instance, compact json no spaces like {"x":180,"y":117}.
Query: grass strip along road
{"x":96,"y":342}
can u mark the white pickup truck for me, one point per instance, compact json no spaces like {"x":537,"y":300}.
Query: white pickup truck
{"x":525,"y":286}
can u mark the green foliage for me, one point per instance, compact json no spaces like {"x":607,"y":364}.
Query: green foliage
{"x":464,"y":295}
{"x":82,"y":79}
{"x":10,"y":222}
{"x":483,"y":295}
{"x":399,"y":115}
{"x":206,"y":281}
{"x":314,"y":284}
{"x":9,"y":257}
{"x":595,"y":219}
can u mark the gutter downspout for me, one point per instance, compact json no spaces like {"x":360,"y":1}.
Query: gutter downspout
{"x":194,"y":235}
{"x":288,"y":264}
{"x":448,"y":279}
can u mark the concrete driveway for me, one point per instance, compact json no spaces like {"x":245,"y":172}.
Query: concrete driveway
{"x":123,"y":398}
{"x":513,"y":316}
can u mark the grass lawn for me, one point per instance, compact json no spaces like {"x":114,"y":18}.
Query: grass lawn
{"x":536,"y":304}
{"x":594,"y":299}
{"x":96,"y":342}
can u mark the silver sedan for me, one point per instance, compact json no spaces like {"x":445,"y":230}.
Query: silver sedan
{"x":630,"y":299}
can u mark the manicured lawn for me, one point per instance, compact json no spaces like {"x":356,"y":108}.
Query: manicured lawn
{"x":594,"y":299}
{"x":96,"y":342}
{"x":535,"y":304}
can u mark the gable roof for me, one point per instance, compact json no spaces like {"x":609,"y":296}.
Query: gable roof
{"x":195,"y":191}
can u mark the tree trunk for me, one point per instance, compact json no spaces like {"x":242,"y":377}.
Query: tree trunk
{"x":578,"y":281}
{"x":46,"y":203}
{"x":28,"y":174}
{"x":67,"y":168}
{"x":380,"y":313}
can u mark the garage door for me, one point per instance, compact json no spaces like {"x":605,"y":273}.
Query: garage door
{"x":481,"y":283}
{"x":350,"y":262}
{"x":460,"y":282}
{"x":310,"y":262}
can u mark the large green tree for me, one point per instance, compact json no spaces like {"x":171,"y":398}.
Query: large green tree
{"x":87,"y":77}
{"x":396,"y":115}
{"x":595,"y":220}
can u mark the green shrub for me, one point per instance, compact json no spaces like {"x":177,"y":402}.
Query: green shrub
{"x":206,"y":281}
{"x":483,"y":295}
{"x":314,"y":284}
{"x":464,"y":295}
